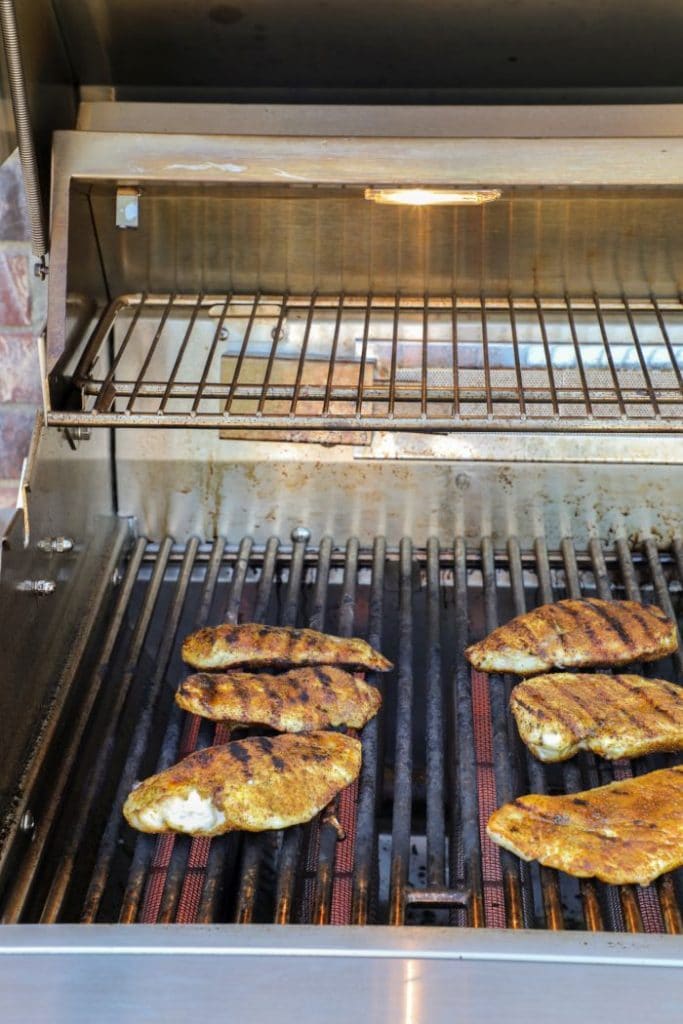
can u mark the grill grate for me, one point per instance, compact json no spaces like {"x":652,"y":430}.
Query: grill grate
{"x":350,"y":363}
{"x":436,"y":761}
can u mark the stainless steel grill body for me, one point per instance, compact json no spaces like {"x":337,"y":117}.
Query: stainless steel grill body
{"x":267,"y":399}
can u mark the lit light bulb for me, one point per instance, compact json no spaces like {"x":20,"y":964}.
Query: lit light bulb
{"x":432,"y":196}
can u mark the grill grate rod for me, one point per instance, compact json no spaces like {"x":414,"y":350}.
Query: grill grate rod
{"x":670,"y":919}
{"x":67,"y":861}
{"x":290,"y":842}
{"x":316,"y":620}
{"x":198,"y":855}
{"x":403,"y":758}
{"x":322,"y":905}
{"x":503,"y":762}
{"x":140,"y":737}
{"x":145,"y":845}
{"x":215,"y":867}
{"x":550,"y":886}
{"x":639,"y":905}
{"x":571,"y":774}
{"x":463,"y":780}
{"x":371,"y":739}
{"x":257,"y":847}
{"x":590,"y":778}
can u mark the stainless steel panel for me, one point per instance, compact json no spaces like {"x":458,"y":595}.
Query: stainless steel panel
{"x":257,"y":489}
{"x":530,"y":241}
{"x":99,"y":111}
{"x":400,"y":46}
{"x":406,"y":975}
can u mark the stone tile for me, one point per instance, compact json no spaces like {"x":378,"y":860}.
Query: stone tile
{"x":14,"y":222}
{"x":15,"y":307}
{"x":19,"y":368}
{"x":16,"y":426}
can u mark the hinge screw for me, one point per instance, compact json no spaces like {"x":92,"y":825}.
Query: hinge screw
{"x":37,"y":586}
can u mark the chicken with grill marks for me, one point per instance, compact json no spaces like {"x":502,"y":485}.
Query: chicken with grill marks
{"x":301,"y":700}
{"x":576,"y":633}
{"x":614,"y":716}
{"x":624,"y":833}
{"x":253,"y":785}
{"x":276,"y":647}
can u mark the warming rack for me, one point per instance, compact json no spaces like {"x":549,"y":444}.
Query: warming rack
{"x":382,"y":362}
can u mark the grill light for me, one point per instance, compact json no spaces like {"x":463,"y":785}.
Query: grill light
{"x":432,"y":196}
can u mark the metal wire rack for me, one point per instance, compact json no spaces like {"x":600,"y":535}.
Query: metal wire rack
{"x":393,"y":362}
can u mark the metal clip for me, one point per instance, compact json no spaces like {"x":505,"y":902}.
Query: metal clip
{"x":127,"y":208}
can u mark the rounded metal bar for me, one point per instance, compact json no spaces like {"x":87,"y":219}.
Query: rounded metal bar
{"x":550,"y":886}
{"x":571,"y":775}
{"x":139,"y":739}
{"x":169,"y":747}
{"x":464,"y":805}
{"x":368,"y":790}
{"x":403,"y":759}
{"x":64,"y":869}
{"x":328,"y":833}
{"x":502,"y":755}
{"x":292,"y":839}
{"x":436,"y":824}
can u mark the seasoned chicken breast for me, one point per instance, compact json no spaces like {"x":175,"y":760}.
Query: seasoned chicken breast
{"x":614,"y":716}
{"x":301,"y":700}
{"x":574,"y":633}
{"x":221,"y":647}
{"x":627,"y":832}
{"x":253,"y":784}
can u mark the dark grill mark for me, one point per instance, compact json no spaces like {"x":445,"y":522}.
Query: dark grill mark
{"x":265,"y":744}
{"x":241,"y":752}
{"x":610,"y":614}
{"x":645,"y":694}
{"x":278,"y":763}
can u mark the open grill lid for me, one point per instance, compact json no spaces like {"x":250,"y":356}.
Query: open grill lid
{"x":404,"y":52}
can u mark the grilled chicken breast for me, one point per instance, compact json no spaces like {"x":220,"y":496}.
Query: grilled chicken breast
{"x":221,"y":647}
{"x":614,"y":716}
{"x":627,"y":832}
{"x":301,"y":700}
{"x":575,"y":633}
{"x":253,"y":784}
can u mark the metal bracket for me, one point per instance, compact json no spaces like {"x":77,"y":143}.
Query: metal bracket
{"x":127,"y":207}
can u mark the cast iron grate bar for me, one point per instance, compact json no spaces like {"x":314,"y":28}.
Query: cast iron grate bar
{"x":348,"y":362}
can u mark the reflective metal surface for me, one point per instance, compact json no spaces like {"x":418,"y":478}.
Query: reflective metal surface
{"x":392,"y":975}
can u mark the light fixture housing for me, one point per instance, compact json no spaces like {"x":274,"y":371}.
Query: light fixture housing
{"x":432,"y":196}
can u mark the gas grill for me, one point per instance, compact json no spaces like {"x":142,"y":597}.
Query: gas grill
{"x":399,"y":372}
